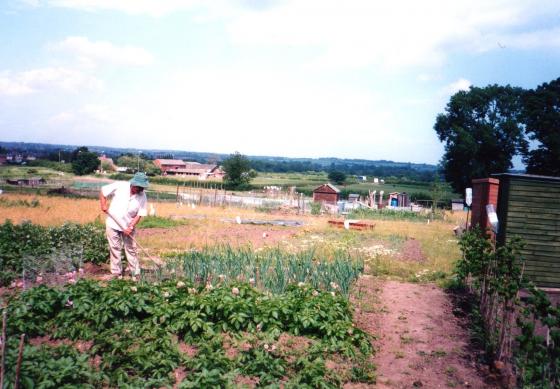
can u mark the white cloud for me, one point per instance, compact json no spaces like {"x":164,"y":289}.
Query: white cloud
{"x":12,"y":87}
{"x":61,"y":118}
{"x":359,"y":33}
{"x":91,"y":53}
{"x":134,"y":7}
{"x":46,"y":79}
{"x":356,"y":33}
{"x":459,"y":85}
{"x":253,"y":111}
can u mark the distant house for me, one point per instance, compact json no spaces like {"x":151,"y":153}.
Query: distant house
{"x":326,"y":193}
{"x":194,"y":169}
{"x":169,"y":166}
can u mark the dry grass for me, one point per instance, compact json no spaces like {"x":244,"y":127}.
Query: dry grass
{"x":206,"y":226}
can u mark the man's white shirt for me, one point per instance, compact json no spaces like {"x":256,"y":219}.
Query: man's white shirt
{"x":124,"y":206}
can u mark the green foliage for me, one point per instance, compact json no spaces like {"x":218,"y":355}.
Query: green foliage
{"x":19,"y":203}
{"x":51,"y":367}
{"x":160,"y":222}
{"x":135,"y":331}
{"x":54,"y":165}
{"x":393,"y":214}
{"x":315,"y":208}
{"x":238,"y":171}
{"x":482,"y":131}
{"x":337,"y":177}
{"x":138,"y":163}
{"x":84,"y":161}
{"x":273,"y":270}
{"x":542,"y":118}
{"x":37,"y":248}
{"x":497,"y":277}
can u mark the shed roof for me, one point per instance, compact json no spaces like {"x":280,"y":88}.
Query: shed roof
{"x":531,"y":177}
{"x":328,"y":187}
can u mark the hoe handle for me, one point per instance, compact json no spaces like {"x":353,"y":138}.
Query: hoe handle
{"x":156,"y":261}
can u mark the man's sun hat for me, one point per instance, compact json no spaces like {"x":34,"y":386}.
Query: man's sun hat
{"x":140,"y":179}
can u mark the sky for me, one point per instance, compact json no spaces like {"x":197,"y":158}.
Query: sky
{"x":296,"y":78}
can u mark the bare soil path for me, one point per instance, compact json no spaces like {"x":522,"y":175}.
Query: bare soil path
{"x":421,"y":343}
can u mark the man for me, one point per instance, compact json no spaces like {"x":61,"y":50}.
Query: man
{"x":128,"y":206}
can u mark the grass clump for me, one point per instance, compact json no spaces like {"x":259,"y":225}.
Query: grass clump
{"x":7,"y":203}
{"x":160,"y":222}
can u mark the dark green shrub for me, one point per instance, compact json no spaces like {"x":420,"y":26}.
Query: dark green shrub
{"x":33,"y":243}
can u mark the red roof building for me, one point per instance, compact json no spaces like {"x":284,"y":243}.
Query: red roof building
{"x":326,"y":193}
{"x":195,"y":169}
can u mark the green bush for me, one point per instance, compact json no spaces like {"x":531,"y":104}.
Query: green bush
{"x":30,"y":244}
{"x":315,"y":208}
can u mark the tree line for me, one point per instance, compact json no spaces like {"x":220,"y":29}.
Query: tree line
{"x":363,"y":169}
{"x":485,"y":128}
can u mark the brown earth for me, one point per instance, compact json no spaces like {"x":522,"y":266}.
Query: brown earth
{"x":420,"y":341}
{"x":231,"y":234}
{"x":411,"y":251}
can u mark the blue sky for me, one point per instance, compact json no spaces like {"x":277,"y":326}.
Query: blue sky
{"x":298,"y":78}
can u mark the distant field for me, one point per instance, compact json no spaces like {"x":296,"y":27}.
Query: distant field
{"x":31,"y":171}
{"x":306,"y":182}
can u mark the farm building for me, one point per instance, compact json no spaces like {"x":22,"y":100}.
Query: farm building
{"x":528,"y":207}
{"x":194,"y":169}
{"x":326,"y":193}
{"x":169,"y":166}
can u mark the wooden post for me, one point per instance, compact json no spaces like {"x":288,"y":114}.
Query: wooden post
{"x":3,"y":350}
{"x":19,"y":359}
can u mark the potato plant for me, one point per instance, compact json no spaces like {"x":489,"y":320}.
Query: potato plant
{"x":33,"y":248}
{"x":142,"y":334}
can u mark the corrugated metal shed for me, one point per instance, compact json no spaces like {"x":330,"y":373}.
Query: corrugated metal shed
{"x":529,"y":207}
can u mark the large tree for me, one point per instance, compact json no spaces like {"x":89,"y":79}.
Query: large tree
{"x":482,"y":132}
{"x":84,"y":161}
{"x":238,"y":170}
{"x":542,"y":118}
{"x":337,"y":177}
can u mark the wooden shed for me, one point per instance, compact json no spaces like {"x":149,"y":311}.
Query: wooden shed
{"x":326,"y":193}
{"x":529,"y":207}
